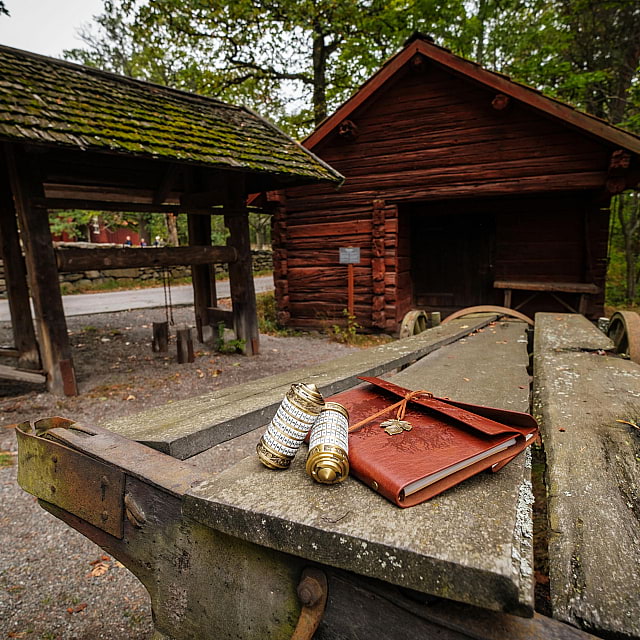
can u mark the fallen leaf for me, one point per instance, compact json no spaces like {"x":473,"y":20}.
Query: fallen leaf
{"x":467,"y":379}
{"x":561,"y":429}
{"x":131,"y":397}
{"x":118,"y":564}
{"x":521,"y":386}
{"x":78,"y":609}
{"x":200,"y":373}
{"x":99,"y":570}
{"x":16,"y":634}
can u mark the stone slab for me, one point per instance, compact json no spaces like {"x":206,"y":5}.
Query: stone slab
{"x":186,"y":428}
{"x":471,"y":543}
{"x":593,"y":475}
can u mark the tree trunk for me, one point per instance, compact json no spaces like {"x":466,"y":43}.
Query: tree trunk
{"x":319,"y":79}
{"x":628,"y":212}
{"x":172,"y":229}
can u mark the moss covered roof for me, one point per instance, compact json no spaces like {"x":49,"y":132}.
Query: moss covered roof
{"x":49,"y":101}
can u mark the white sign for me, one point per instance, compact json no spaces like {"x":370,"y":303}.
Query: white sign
{"x":349,"y":255}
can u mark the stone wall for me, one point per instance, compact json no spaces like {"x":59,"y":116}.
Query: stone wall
{"x":262,"y":261}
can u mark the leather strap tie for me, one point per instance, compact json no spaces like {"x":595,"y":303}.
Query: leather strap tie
{"x":401,"y":406}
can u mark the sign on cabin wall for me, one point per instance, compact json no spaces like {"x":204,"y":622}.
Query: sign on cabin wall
{"x":349,"y":255}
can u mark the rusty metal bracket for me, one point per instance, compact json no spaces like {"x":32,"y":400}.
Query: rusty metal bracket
{"x":69,"y":479}
{"x":313,"y":592}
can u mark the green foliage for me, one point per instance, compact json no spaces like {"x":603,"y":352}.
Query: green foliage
{"x":228,"y":346}
{"x":347,"y":334}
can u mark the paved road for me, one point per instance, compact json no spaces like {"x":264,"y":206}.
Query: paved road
{"x":88,"y":303}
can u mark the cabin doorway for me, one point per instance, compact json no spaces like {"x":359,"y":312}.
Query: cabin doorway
{"x":451,"y":256}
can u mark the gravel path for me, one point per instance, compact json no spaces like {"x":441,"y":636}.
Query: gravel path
{"x":54,"y":583}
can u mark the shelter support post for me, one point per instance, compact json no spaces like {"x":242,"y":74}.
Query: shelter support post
{"x":243,"y":295}
{"x":202,"y":277}
{"x":15,"y":275}
{"x":42,"y":273}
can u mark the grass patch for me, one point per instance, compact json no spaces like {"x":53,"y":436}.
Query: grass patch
{"x":348,"y":334}
{"x":6,"y":459}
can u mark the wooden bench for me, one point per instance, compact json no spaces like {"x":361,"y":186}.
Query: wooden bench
{"x":593,"y":474}
{"x":222,"y":556}
{"x":552,"y":288}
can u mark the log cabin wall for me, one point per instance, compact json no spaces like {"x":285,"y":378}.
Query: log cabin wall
{"x":428,"y":136}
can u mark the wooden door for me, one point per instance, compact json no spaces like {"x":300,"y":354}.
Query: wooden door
{"x":451,"y":259}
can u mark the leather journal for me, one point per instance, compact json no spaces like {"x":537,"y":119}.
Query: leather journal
{"x":441,"y":443}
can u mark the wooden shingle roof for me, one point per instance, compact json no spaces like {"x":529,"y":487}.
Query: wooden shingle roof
{"x":53,"y":102}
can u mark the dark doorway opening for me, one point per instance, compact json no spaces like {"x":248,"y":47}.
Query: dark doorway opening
{"x":452,"y":257}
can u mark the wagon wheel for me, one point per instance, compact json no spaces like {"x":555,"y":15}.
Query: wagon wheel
{"x":488,"y":308}
{"x":624,"y":330}
{"x":413,"y":323}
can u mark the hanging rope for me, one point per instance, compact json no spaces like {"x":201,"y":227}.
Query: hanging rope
{"x":401,"y":406}
{"x":168,"y":304}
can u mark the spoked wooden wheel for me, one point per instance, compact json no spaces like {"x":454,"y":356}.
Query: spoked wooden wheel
{"x":624,"y":330}
{"x":413,"y":323}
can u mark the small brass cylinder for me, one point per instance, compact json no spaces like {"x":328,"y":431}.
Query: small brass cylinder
{"x":328,"y":459}
{"x":289,"y":427}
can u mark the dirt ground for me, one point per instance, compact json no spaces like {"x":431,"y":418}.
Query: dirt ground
{"x":54,"y":583}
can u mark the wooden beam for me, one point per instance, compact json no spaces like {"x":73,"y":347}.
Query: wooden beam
{"x":81,"y":259}
{"x":11,"y":373}
{"x":42,"y":273}
{"x":216,"y":315}
{"x":202,"y":278}
{"x":110,"y":205}
{"x":243,"y":295}
{"x":15,"y":275}
{"x":166,"y":184}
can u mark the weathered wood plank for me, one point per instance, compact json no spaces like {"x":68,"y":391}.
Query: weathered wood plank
{"x":55,"y":350}
{"x":120,"y":258}
{"x":202,"y":278}
{"x":11,"y":373}
{"x":592,"y":475}
{"x":243,"y":295}
{"x":470,"y":544}
{"x":186,"y":428}
{"x":15,"y":275}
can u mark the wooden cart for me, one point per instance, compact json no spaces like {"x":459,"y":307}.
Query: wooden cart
{"x":253,"y":553}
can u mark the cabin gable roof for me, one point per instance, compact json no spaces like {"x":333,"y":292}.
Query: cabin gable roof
{"x":585,"y":123}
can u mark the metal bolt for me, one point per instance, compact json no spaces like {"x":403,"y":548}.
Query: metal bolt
{"x":53,"y":489}
{"x":105,"y":516}
{"x":54,"y":459}
{"x":309,"y":591}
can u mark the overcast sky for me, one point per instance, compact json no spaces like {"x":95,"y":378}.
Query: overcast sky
{"x":46,"y":26}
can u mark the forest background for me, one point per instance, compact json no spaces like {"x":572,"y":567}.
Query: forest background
{"x":295,"y":61}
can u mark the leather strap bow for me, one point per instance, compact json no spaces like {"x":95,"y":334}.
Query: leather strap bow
{"x":401,"y":406}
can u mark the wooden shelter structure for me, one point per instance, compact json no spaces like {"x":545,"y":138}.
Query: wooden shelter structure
{"x":462,"y":188}
{"x":72,"y":137}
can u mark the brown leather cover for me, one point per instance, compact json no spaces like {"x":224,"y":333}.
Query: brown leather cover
{"x":445,"y":432}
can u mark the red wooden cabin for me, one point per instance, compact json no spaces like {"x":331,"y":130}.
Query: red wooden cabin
{"x":462,"y":188}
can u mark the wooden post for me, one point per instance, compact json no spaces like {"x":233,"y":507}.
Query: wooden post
{"x":184,"y":346}
{"x":42,"y":273}
{"x":350,"y":303}
{"x":243,"y":295}
{"x":202,"y":277}
{"x":160,"y":340}
{"x":15,"y":275}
